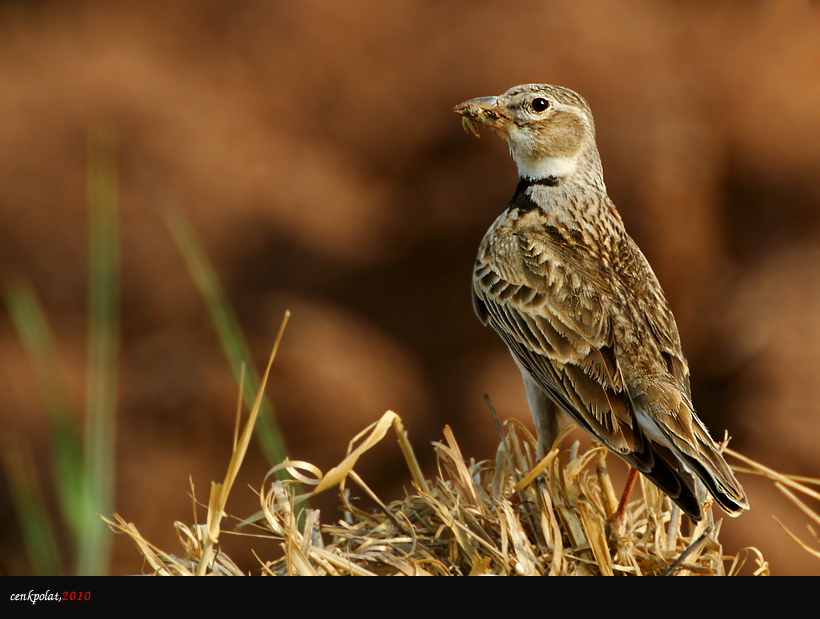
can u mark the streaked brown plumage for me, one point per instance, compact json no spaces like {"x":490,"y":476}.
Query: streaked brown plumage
{"x":579,"y":307}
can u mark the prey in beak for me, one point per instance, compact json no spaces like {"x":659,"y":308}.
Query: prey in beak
{"x":481,"y":111}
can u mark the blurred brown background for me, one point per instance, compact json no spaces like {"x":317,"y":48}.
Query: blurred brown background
{"x":313,"y":148}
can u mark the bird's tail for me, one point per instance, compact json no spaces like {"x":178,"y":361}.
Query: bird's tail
{"x":714,"y":472}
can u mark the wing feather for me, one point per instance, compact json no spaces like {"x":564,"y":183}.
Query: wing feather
{"x":556,"y":329}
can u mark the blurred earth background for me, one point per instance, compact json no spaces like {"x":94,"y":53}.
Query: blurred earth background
{"x":313,"y":148}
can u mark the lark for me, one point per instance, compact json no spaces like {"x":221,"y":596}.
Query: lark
{"x":576,"y":302}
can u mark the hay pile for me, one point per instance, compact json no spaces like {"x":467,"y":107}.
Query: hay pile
{"x":475,"y":519}
{"x":492,"y":517}
{"x":508,"y":516}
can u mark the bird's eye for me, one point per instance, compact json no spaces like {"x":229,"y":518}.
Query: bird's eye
{"x":540,"y":104}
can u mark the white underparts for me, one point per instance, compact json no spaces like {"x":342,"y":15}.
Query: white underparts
{"x":559,"y":167}
{"x":651,"y":429}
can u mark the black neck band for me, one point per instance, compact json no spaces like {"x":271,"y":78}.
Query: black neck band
{"x":547,"y":181}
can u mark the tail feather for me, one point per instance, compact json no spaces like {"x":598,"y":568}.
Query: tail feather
{"x":673,"y":480}
{"x":718,"y":479}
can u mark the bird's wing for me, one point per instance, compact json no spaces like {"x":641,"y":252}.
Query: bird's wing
{"x":542,"y":292}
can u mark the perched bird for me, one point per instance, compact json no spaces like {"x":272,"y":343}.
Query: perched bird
{"x":579,"y":307}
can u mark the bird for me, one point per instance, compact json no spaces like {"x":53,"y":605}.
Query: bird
{"x":580,"y":308}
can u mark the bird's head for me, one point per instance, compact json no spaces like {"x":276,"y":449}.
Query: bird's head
{"x":549,"y":129}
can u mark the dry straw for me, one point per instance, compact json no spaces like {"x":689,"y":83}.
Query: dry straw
{"x":507,"y":516}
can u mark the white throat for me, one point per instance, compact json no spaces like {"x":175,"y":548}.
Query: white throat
{"x":546,"y":166}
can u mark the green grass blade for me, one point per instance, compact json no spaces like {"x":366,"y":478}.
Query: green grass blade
{"x":24,"y":487}
{"x":67,"y":459}
{"x":103,"y":348}
{"x":230,"y":335}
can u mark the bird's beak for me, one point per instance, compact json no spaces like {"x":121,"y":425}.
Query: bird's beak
{"x":481,"y":111}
